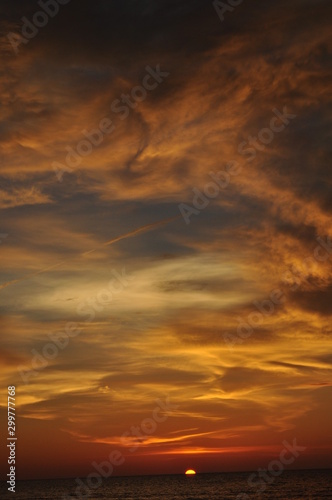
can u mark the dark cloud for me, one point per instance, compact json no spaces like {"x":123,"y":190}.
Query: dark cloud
{"x":238,"y":378}
{"x":318,"y":301}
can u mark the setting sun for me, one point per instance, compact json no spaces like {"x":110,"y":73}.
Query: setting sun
{"x":190,"y":472}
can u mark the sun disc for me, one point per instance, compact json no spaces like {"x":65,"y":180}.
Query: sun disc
{"x":190,"y":472}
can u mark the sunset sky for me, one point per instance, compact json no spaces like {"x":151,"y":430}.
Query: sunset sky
{"x":159,"y":303}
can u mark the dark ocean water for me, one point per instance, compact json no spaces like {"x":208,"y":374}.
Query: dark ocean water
{"x":289,"y":485}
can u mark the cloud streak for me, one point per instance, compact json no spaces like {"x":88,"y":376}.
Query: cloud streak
{"x":135,"y":232}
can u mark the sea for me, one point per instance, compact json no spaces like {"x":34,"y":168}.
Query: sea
{"x":308,"y":484}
